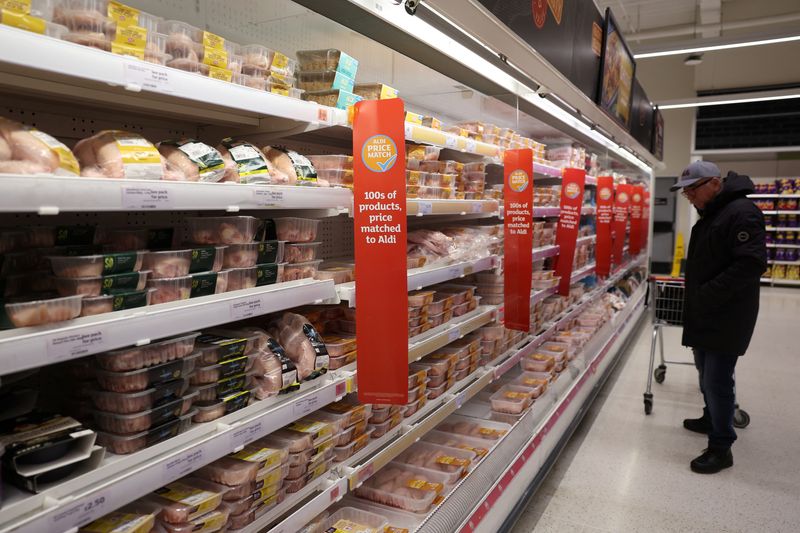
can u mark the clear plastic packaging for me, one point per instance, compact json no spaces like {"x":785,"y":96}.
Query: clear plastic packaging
{"x":331,"y":162}
{"x":130,"y":443}
{"x":211,"y":522}
{"x":354,"y":412}
{"x":420,"y":298}
{"x":441,"y":302}
{"x":330,"y":59}
{"x":168,"y":264}
{"x":511,"y":399}
{"x":222,"y":230}
{"x":337,"y":271}
{"x":242,"y":278}
{"x":384,"y":427}
{"x":213,"y":409}
{"x":339,"y":344}
{"x":459,"y":293}
{"x":134,"y":402}
{"x":170,"y":289}
{"x":381,"y":414}
{"x":435,"y":392}
{"x":97,"y":285}
{"x":207,"y":258}
{"x":301,"y":252}
{"x":480,"y":447}
{"x":324,"y":80}
{"x":535,"y":382}
{"x":295,"y":442}
{"x":136,"y":357}
{"x":355,"y":520}
{"x":241,"y":255}
{"x":342,"y":453}
{"x":187,"y":499}
{"x":473,"y":427}
{"x":293,"y":229}
{"x":246,"y":467}
{"x":146,"y":420}
{"x":144,"y":378}
{"x":452,"y":462}
{"x":40,"y":312}
{"x":537,"y":363}
{"x":436,"y":179}
{"x":403,"y":486}
{"x":438,"y":320}
{"x":212,"y":373}
{"x":84,"y":266}
{"x":297,"y":271}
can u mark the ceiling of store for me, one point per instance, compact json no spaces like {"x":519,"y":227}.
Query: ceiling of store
{"x":645,"y":22}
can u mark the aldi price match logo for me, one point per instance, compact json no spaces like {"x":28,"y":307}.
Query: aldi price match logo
{"x":572,"y":190}
{"x":622,"y":197}
{"x":637,"y":197}
{"x":518,"y":180}
{"x":605,"y":193}
{"x":379,"y":153}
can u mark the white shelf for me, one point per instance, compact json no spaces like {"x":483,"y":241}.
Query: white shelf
{"x":50,"y":195}
{"x":778,"y":281}
{"x":425,"y":276}
{"x":780,"y":212}
{"x":416,"y":207}
{"x":421,"y":134}
{"x":31,"y":62}
{"x":24,"y":348}
{"x":778,"y":196}
{"x":783,"y":245}
{"x":783,"y":262}
{"x":545,"y":252}
{"x":121,"y":479}
{"x":586,"y":240}
{"x":769,"y":228}
{"x":591,"y":180}
{"x":582,"y":272}
{"x":441,"y":336}
{"x":547,"y":170}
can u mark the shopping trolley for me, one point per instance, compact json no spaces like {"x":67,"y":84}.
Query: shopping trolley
{"x":666,"y":297}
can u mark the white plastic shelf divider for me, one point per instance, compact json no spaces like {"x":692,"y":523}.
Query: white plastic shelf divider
{"x":582,"y":272}
{"x":441,"y":336}
{"x":50,"y":195}
{"x":424,"y":277}
{"x":586,"y":240}
{"x":30,"y":61}
{"x":32,"y":347}
{"x":542,"y":212}
{"x":420,"y":207}
{"x":547,"y":170}
{"x":783,"y":262}
{"x":770,"y":228}
{"x":422,"y":134}
{"x":121,"y":479}
{"x":770,"y":212}
{"x":779,"y":196}
{"x":783,"y":245}
{"x":779,"y":281}
{"x":545,"y":252}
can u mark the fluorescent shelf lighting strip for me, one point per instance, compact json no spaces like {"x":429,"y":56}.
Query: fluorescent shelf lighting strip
{"x":711,"y":48}
{"x":740,"y":98}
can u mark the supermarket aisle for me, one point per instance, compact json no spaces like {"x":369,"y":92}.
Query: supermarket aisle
{"x":624,"y":472}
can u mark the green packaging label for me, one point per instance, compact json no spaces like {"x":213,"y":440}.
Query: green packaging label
{"x":270,"y":231}
{"x":204,"y":284}
{"x":203,"y":259}
{"x":207,"y":158}
{"x":129,"y":300}
{"x":117,"y":282}
{"x":236,"y":401}
{"x":160,"y":238}
{"x":266,"y":274}
{"x":74,"y":235}
{"x":119,"y":262}
{"x":268,"y":251}
{"x":250,"y":162}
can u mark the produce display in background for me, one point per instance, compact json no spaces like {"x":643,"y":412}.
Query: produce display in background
{"x":779,"y":186}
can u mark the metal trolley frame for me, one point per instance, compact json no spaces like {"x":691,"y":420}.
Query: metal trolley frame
{"x":666,"y":303}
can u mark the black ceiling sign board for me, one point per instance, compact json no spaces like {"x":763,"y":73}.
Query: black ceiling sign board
{"x":615,"y":92}
{"x":658,"y":135}
{"x":642,"y":116}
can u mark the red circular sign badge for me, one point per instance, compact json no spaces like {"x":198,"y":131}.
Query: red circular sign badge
{"x":637,"y":197}
{"x":572,"y":190}
{"x":518,"y":180}
{"x":622,"y":197}
{"x":605,"y":193}
{"x":539,"y":12}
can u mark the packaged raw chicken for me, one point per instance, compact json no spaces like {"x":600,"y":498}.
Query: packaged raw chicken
{"x":133,"y":442}
{"x":473,"y":427}
{"x":170,"y":289}
{"x":223,"y":388}
{"x":135,"y":422}
{"x":106,"y":284}
{"x":222,"y":230}
{"x":296,"y":167}
{"x":192,"y":160}
{"x":355,"y":520}
{"x":211,"y":522}
{"x":96,"y":265}
{"x":294,"y":442}
{"x":273,"y":371}
{"x":292,"y":272}
{"x":207,"y":259}
{"x":167,"y":264}
{"x":301,"y":252}
{"x":187,"y":499}
{"x":137,"y":357}
{"x":121,"y":155}
{"x":332,"y":162}
{"x":208,"y":410}
{"x":302,"y":343}
{"x":242,"y":467}
{"x":291,"y":229}
{"x":136,"y":517}
{"x":216,"y":372}
{"x":39,"y":312}
{"x":404,"y":487}
{"x":25,"y":150}
{"x":450,"y":461}
{"x":478,"y":446}
{"x":139,"y":401}
{"x":144,"y":378}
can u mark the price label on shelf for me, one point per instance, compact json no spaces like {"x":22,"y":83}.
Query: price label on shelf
{"x":80,"y":513}
{"x":472,"y":146}
{"x":242,"y":436}
{"x":72,"y":345}
{"x":409,"y":131}
{"x":146,"y":198}
{"x":267,"y":197}
{"x":182,"y":464}
{"x":451,"y":141}
{"x":246,"y":308}
{"x":145,"y":76}
{"x":477,"y":207}
{"x":303,"y":406}
{"x":425,"y":208}
{"x":454,"y":334}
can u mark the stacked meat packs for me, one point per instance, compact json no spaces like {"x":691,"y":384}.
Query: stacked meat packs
{"x":460,"y":243}
{"x":302,"y":343}
{"x":25,"y":150}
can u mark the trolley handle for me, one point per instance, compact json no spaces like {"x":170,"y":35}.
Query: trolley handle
{"x":665,"y":278}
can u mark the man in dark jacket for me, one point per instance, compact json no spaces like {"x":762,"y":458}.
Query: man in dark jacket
{"x":727,"y":255}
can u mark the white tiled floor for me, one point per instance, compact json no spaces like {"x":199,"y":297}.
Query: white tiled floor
{"x":626,"y":472}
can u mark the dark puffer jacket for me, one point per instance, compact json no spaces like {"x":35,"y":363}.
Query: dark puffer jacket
{"x":727,"y":255}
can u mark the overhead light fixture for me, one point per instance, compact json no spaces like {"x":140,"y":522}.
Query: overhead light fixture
{"x":693,"y":60}
{"x":713,"y":47}
{"x":741,"y":98}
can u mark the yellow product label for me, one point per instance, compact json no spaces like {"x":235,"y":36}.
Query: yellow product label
{"x":279,"y":89}
{"x":123,"y":15}
{"x":220,"y":73}
{"x":491,"y":433}
{"x":212,"y":40}
{"x":211,"y":522}
{"x":480,"y":451}
{"x":214,"y":57}
{"x":203,"y":500}
{"x":66,"y":159}
{"x":388,"y":92}
{"x":450,"y":460}
{"x":16,"y":6}
{"x":513,"y":395}
{"x":135,"y":149}
{"x":279,"y":61}
{"x":281,"y":79}
{"x":347,"y":526}
{"x":23,"y":21}
{"x":133,"y":36}
{"x":413,"y":177}
{"x":269,"y":476}
{"x":268,"y":490}
{"x":425,"y":485}
{"x":414,"y":118}
{"x":392,"y":529}
{"x":125,"y":50}
{"x":319,"y":429}
{"x":318,"y":471}
{"x":532,"y":382}
{"x":439,"y":499}
{"x":121,"y":523}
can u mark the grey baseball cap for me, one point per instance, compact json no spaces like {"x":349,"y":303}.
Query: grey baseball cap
{"x":695,"y":172}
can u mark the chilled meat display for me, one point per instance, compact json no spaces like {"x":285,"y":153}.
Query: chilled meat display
{"x":302,"y":343}
{"x":245,"y":163}
{"x":296,"y":167}
{"x":121,"y":155}
{"x":192,"y":160}
{"x":25,"y":150}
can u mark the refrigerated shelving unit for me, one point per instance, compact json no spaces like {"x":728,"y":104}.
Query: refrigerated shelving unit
{"x":68,"y":90}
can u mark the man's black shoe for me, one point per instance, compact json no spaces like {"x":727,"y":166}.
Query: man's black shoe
{"x":712,"y":461}
{"x":698,"y":425}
